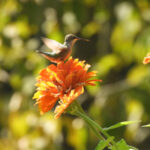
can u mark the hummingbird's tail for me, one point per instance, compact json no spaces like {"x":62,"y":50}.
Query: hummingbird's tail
{"x":50,"y":54}
{"x":37,"y":51}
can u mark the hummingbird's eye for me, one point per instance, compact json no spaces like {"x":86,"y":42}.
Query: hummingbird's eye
{"x":70,"y":38}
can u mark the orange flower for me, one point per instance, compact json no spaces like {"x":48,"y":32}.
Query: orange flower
{"x":146,"y":59}
{"x":64,"y":81}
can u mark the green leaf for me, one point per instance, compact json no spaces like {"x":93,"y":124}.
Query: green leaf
{"x":120,"y":124}
{"x":122,"y":145}
{"x":102,"y":144}
{"x":148,"y":125}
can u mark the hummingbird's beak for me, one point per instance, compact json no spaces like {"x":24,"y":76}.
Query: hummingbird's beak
{"x":83,"y":39}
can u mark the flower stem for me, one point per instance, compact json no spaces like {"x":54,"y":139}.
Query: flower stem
{"x":76,"y":109}
{"x":88,"y":121}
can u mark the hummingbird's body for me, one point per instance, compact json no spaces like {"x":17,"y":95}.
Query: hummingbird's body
{"x":60,"y":52}
{"x":57,"y":57}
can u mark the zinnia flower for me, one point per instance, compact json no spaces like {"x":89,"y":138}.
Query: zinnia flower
{"x":64,"y":81}
{"x":146,"y":59}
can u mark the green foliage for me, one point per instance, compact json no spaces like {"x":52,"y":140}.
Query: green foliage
{"x":119,"y":32}
{"x":122,"y":145}
{"x":102,"y":144}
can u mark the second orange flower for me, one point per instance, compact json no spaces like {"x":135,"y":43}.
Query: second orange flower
{"x":146,"y":59}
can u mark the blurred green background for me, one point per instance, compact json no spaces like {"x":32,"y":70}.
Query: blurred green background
{"x":119,"y":31}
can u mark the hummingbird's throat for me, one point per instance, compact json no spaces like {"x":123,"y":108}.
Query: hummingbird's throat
{"x":70,"y":43}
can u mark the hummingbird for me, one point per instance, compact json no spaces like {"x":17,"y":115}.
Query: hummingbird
{"x":60,"y":52}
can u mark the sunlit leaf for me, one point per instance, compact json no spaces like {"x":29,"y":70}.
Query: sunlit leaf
{"x":107,"y":63}
{"x":148,"y":125}
{"x":136,"y":74}
{"x":90,"y":29}
{"x":120,"y":124}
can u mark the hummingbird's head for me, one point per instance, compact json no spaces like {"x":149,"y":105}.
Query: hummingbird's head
{"x":71,"y":39}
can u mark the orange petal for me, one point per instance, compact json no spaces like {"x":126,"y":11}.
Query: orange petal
{"x":66,"y":100}
{"x":46,"y":103}
{"x":92,"y":82}
{"x":37,"y":95}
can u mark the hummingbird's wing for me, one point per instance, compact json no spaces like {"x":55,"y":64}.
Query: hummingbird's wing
{"x":53,"y":45}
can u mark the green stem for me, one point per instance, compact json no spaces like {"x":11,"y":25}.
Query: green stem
{"x":77,"y":110}
{"x":95,"y":125}
{"x":88,"y":121}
